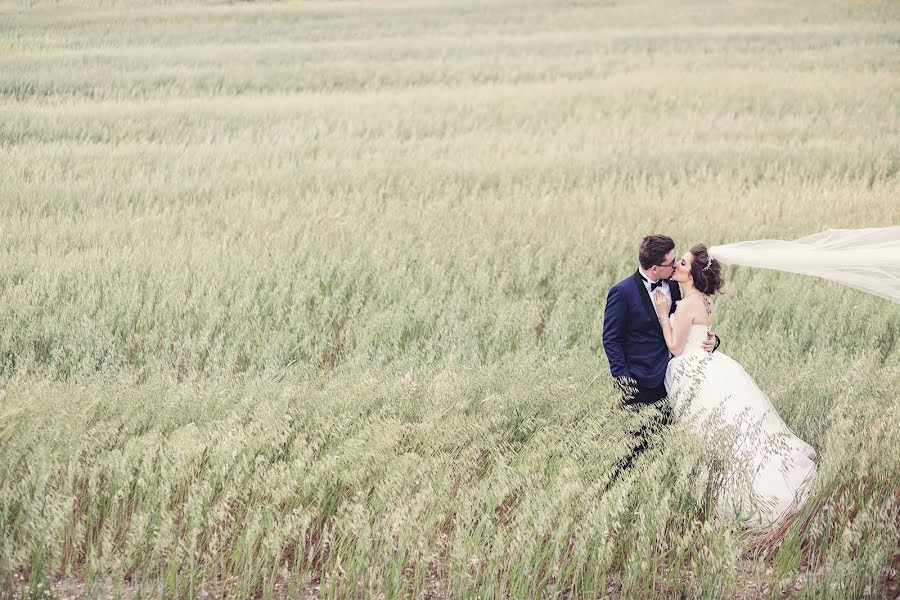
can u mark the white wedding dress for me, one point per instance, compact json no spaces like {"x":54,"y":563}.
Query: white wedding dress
{"x":766,"y":469}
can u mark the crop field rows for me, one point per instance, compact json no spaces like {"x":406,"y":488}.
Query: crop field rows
{"x":305,"y":298}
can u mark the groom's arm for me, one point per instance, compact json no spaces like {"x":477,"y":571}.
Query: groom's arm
{"x":615,"y":319}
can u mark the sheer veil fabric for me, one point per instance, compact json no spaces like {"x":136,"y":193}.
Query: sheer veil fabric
{"x":865,"y":259}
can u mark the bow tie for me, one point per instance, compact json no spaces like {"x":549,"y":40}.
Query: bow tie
{"x":655,"y":285}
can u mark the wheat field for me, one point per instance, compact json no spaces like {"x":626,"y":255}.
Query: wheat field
{"x":305,"y":299}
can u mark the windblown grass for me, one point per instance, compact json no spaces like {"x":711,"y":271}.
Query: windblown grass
{"x":306,"y":298}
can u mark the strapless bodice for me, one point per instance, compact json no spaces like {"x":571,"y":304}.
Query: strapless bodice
{"x":695,"y":339}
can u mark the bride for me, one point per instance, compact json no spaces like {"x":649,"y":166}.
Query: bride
{"x":767,"y":469}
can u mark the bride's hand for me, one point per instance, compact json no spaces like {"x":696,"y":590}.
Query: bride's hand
{"x":662,"y":303}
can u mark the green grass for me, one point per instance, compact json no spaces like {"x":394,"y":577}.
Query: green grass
{"x":306,"y":298}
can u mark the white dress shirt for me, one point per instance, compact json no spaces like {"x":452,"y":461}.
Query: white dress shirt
{"x":664,"y":287}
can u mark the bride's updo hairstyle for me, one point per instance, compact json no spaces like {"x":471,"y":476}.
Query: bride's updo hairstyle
{"x":707,"y":274}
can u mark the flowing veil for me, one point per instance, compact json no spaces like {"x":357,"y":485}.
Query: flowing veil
{"x":865,"y":259}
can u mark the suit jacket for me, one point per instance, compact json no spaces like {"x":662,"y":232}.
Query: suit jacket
{"x":632,"y":336}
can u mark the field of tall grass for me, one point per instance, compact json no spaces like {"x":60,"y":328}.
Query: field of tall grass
{"x":305,"y":299}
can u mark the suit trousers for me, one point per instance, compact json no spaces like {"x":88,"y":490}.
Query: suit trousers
{"x":647,"y":395}
{"x":649,"y":428}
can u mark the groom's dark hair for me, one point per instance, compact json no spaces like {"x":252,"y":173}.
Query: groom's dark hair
{"x":654,"y":249}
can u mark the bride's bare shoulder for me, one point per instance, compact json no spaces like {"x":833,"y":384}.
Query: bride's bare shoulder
{"x":697,"y":300}
{"x":691,"y":301}
{"x":694,"y":305}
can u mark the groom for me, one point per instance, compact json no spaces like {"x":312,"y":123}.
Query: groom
{"x":632,"y":337}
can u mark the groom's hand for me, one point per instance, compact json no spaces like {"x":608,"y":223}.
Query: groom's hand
{"x":628,"y":387}
{"x":711,"y":342}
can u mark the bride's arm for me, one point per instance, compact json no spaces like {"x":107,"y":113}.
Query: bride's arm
{"x":677,"y":336}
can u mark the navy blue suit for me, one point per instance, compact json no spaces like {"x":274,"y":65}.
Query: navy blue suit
{"x":632,"y":336}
